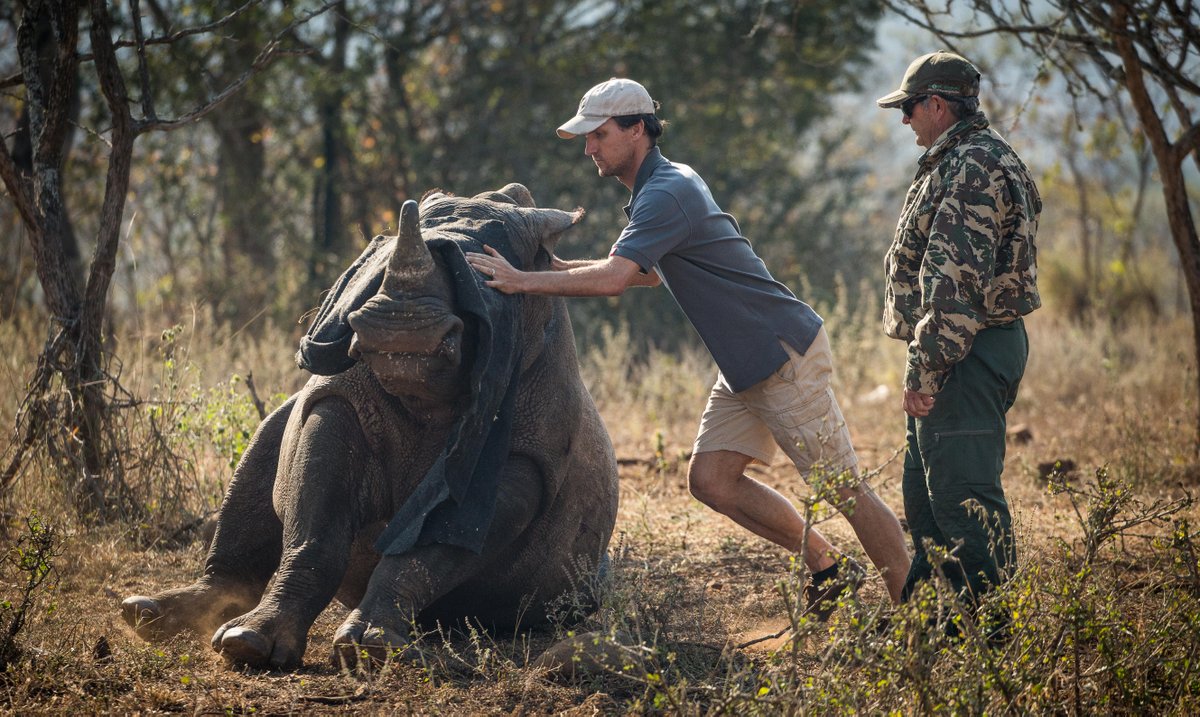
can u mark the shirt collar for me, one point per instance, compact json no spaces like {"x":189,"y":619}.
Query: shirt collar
{"x":952,"y":137}
{"x":650,"y":163}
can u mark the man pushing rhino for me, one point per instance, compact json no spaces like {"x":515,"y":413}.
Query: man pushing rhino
{"x":775,"y":363}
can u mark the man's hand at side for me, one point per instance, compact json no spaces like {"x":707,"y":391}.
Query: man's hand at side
{"x":918,"y":405}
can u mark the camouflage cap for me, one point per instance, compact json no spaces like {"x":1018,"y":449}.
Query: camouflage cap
{"x":940,"y":73}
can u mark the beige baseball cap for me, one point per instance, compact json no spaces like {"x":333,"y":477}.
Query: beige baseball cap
{"x":613,"y":98}
{"x":938,"y":73}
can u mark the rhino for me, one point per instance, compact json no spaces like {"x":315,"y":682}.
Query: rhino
{"x":444,"y":461}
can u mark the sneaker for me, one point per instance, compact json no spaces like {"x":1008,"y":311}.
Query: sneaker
{"x":821,"y":596}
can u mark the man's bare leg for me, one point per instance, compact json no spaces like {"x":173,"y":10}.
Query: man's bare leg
{"x":880,"y":534}
{"x":717,"y":479}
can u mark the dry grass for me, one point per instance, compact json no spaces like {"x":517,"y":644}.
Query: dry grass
{"x":1098,"y":613}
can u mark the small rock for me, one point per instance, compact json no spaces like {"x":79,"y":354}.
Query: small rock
{"x":877,"y":395}
{"x":102,"y":651}
{"x":1020,"y":434}
{"x":589,"y":654}
{"x":1062,"y":466}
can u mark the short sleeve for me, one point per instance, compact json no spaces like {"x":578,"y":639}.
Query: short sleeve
{"x":657,"y":225}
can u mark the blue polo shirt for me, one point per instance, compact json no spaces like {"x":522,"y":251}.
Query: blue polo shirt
{"x":741,"y":313}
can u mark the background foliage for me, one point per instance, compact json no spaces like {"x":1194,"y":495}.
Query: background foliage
{"x":254,"y":211}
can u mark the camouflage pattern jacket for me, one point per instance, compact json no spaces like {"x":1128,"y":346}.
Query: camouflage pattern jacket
{"x":963,"y":258}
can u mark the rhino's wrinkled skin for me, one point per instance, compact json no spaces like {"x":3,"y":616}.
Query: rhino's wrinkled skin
{"x":328,"y":470}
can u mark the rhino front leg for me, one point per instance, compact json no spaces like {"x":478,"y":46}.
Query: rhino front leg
{"x":316,"y":506}
{"x":244,"y":552}
{"x":403,"y":585}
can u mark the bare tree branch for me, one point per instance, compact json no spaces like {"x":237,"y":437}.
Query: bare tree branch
{"x":135,"y":16}
{"x":174,"y":37}
{"x":18,"y":78}
{"x":1033,"y":34}
{"x":1187,"y":143}
{"x":265,"y":57}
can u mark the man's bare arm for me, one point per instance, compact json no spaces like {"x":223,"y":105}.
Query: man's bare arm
{"x":648,"y":278}
{"x":599,"y":277}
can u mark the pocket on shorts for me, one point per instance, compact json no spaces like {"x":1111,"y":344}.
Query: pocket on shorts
{"x":815,"y":432}
{"x":786,"y":371}
{"x":814,"y":409}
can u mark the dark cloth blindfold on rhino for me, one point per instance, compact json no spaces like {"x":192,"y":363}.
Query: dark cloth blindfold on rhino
{"x":454,"y":503}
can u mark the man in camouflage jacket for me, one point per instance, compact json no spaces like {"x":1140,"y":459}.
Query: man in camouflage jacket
{"x":961,"y":272}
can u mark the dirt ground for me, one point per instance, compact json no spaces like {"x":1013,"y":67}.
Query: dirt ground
{"x":696,"y":587}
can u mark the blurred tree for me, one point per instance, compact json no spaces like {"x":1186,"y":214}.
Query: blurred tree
{"x":1149,"y":49}
{"x":193,"y":69}
{"x":402,"y":97}
{"x":473,"y":97}
{"x":329,"y":226}
{"x":68,"y":405}
{"x":1110,"y":179}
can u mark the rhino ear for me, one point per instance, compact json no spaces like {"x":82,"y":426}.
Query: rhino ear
{"x":433,"y":195}
{"x":512,"y":193}
{"x":519,"y":194}
{"x":546,"y":226}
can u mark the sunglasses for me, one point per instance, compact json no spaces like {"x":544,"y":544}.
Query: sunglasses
{"x":911,"y":103}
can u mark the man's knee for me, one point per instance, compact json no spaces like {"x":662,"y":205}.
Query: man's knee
{"x":712,"y":480}
{"x":704,"y":486}
{"x":857,"y":495}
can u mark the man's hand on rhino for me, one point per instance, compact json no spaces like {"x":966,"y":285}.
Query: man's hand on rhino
{"x":502,"y":276}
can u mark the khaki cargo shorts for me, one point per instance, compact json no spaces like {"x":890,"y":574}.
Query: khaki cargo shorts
{"x":794,"y":409}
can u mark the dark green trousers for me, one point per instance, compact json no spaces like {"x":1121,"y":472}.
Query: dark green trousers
{"x":954,"y":459}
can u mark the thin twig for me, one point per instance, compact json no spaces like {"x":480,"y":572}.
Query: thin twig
{"x":258,"y":402}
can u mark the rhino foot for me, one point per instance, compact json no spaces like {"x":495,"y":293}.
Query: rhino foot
{"x":358,"y":644}
{"x":145,"y":615}
{"x":260,"y":646}
{"x":242,"y":645}
{"x":197,"y":608}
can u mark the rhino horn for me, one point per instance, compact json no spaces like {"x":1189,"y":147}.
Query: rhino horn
{"x":411,"y":261}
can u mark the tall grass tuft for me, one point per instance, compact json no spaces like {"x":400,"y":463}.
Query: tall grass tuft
{"x":26,"y":569}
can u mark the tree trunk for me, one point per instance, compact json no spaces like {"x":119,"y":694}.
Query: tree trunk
{"x":329,"y":231}
{"x":1082,"y":298}
{"x":240,"y":124}
{"x":108,"y":234}
{"x":22,"y":150}
{"x":1170,"y":169}
{"x":246,"y":241}
{"x":75,"y":354}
